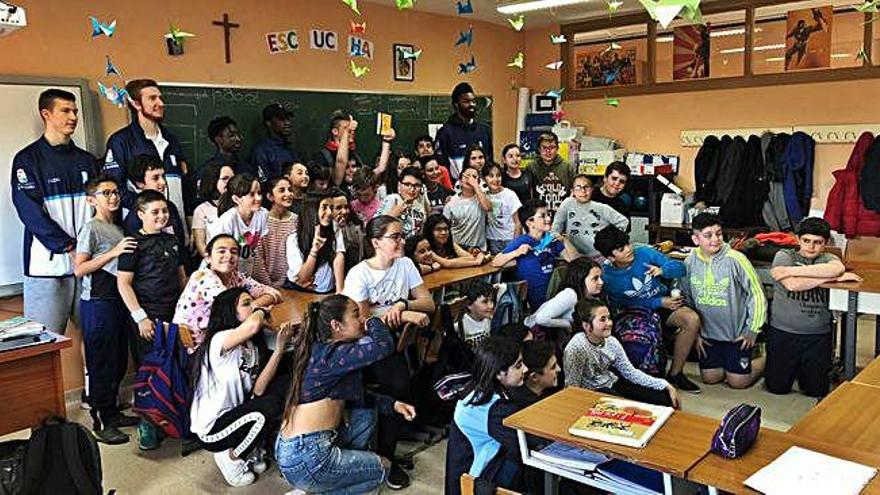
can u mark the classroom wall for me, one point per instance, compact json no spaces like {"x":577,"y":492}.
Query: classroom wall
{"x":58,"y":42}
{"x":652,"y":123}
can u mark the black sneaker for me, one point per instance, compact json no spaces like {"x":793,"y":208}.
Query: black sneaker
{"x":122,"y":421}
{"x":682,"y":383}
{"x":397,"y":478}
{"x":111,"y":436}
{"x":405,"y":462}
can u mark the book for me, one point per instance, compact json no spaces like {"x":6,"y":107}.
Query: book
{"x":569,"y":456}
{"x":620,"y":421}
{"x":383,"y":124}
{"x":799,"y":470}
{"x":632,"y":477}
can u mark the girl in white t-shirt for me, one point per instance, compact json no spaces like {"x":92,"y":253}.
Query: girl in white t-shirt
{"x":322,"y":269}
{"x":243,"y":217}
{"x":237,"y":397}
{"x":502,"y":223}
{"x":204,"y":219}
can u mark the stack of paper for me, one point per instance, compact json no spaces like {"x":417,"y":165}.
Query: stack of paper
{"x":806,"y":472}
{"x":570,"y":457}
{"x":19,"y":327}
{"x":625,"y":477}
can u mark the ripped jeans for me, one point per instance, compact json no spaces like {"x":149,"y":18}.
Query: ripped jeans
{"x":333,"y":461}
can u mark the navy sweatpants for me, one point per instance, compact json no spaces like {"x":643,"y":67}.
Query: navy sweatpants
{"x":105,"y":337}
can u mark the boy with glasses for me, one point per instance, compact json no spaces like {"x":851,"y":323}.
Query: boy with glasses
{"x":408,"y":205}
{"x":535,"y":254}
{"x":102,"y":313}
{"x":554,"y":176}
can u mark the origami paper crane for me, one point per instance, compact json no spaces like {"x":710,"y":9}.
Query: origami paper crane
{"x":464,"y":8}
{"x":544,"y":243}
{"x":467,"y":67}
{"x":412,"y":55}
{"x":558,"y":115}
{"x":405,"y":4}
{"x":517,"y":61}
{"x":99,"y":28}
{"x":358,"y":72}
{"x":664,"y":11}
{"x":868,"y":6}
{"x":517,"y":23}
{"x":177,"y":35}
{"x":612,"y":102}
{"x":862,"y":55}
{"x":466,"y":37}
{"x":353,"y":5}
{"x":612,"y":46}
{"x":558,"y":39}
{"x":614,"y":6}
{"x":111,"y":69}
{"x":116,"y":95}
{"x":554,"y":65}
{"x":610,"y":77}
{"x":358,"y":28}
{"x":556,"y":93}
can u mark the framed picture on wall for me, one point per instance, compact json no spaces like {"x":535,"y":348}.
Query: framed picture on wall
{"x":404,"y":63}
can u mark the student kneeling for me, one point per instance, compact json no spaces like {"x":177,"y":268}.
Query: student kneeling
{"x":237,"y":402}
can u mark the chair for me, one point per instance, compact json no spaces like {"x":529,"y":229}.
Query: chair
{"x":467,"y":487}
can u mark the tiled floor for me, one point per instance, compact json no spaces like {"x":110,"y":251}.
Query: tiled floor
{"x":163,"y":471}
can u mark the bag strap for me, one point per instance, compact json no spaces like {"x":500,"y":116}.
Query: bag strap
{"x":158,"y":336}
{"x":172,"y":339}
{"x":33,"y":464}
{"x":71,"y":454}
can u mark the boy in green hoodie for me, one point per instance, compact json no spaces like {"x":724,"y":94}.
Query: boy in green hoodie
{"x":722,"y":285}
{"x":554,"y":175}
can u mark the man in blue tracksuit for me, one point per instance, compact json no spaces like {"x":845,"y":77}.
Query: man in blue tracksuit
{"x":146,"y":136}
{"x":48,"y":178}
{"x":271,"y":154}
{"x":462,"y":130}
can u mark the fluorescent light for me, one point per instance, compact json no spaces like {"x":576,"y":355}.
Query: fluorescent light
{"x":528,"y":6}
{"x":713,"y":34}
{"x":775,"y":59}
{"x":761,"y":48}
{"x":841,"y":55}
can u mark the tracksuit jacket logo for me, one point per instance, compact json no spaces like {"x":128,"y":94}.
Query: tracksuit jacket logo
{"x":710,"y":292}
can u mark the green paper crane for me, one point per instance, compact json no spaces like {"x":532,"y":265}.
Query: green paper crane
{"x":177,"y":35}
{"x":358,"y":72}
{"x":517,"y":61}
{"x":518,"y":22}
{"x":405,"y":4}
{"x":614,"y":6}
{"x":664,"y":11}
{"x":353,"y":5}
{"x":868,"y":6}
{"x":612,"y":102}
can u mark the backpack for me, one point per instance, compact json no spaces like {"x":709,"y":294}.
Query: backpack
{"x":161,"y":386}
{"x":639,"y":332}
{"x":61,"y":457}
{"x":508,"y":307}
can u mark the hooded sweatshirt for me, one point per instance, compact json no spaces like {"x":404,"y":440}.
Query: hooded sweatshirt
{"x":726,"y":292}
{"x":553,"y":182}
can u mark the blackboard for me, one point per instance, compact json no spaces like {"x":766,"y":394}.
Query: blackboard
{"x":189,"y":109}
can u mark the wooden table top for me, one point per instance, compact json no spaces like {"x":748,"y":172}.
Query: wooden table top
{"x":730,"y":474}
{"x":870,"y":282}
{"x":674,"y":449}
{"x":848,"y":416}
{"x":61,"y":342}
{"x":870,"y":375}
{"x":449,"y":276}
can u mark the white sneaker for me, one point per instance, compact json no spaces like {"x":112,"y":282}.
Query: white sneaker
{"x":236,"y":471}
{"x":257,"y":461}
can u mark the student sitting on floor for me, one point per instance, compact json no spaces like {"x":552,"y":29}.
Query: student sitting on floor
{"x":593,"y":351}
{"x":103,"y":317}
{"x":542,"y":377}
{"x":445,"y":250}
{"x":582,"y":279}
{"x":725,"y":290}
{"x":633,"y":278}
{"x":479,"y":444}
{"x":419,"y":251}
{"x":581,"y":218}
{"x":535,"y":265}
{"x":271,"y":254}
{"x":243,"y":217}
{"x":476,"y":324}
{"x":238,"y":392}
{"x":322,"y":270}
{"x":150,"y":280}
{"x":467,"y":212}
{"x":799,"y":343}
{"x":317,"y":450}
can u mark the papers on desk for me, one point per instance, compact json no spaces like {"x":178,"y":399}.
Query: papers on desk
{"x":806,"y":472}
{"x":569,"y":456}
{"x":19,"y":327}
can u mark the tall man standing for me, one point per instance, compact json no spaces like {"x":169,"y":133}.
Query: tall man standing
{"x":462,"y":130}
{"x":146,"y":136}
{"x":271,"y":154}
{"x":47,"y":190}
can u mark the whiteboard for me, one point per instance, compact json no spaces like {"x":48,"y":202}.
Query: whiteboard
{"x":21,"y":126}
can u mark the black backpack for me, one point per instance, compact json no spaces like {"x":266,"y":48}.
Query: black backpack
{"x":62,"y":457}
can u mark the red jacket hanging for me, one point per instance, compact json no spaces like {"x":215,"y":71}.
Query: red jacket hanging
{"x":844,"y":210}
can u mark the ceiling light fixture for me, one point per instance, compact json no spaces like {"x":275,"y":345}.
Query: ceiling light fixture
{"x":519,"y":7}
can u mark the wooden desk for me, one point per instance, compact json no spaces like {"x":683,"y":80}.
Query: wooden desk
{"x":449,"y":276}
{"x":31,"y":385}
{"x":674,"y":449}
{"x":855,"y":298}
{"x":849,"y":416}
{"x":870,"y":375}
{"x":719,"y":473}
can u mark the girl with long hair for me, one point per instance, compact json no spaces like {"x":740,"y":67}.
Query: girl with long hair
{"x":204,"y":219}
{"x":582,"y":279}
{"x":238,"y":397}
{"x":316,"y":450}
{"x":243,"y":217}
{"x":479,"y":443}
{"x":322,"y":269}
{"x":271,"y":267}
{"x":419,"y":251}
{"x":446,"y":251}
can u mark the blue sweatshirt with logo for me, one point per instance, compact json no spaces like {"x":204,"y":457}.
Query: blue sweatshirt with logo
{"x":632,"y":286}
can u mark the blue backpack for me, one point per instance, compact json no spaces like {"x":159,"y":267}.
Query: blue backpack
{"x":639,"y":332}
{"x":161,"y":386}
{"x":508,"y":308}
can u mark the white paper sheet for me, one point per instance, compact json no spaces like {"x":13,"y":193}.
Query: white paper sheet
{"x":806,"y":472}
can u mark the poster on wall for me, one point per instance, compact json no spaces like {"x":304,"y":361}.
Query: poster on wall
{"x":808,"y":38}
{"x":690,"y":53}
{"x":608,"y":67}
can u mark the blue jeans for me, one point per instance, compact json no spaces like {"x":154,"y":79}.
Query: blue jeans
{"x":331,"y":461}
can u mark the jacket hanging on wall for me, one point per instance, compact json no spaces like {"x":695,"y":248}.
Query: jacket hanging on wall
{"x":706,"y":170}
{"x":732,"y":159}
{"x":870,"y":178}
{"x":844,"y":209}
{"x":748,"y":190}
{"x":774,"y":212}
{"x":797,"y":167}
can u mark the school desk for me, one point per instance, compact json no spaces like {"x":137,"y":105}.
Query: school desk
{"x":849,"y":416}
{"x":720,"y":473}
{"x":451,"y":276}
{"x":676,"y":447}
{"x":855,"y":298}
{"x":31,"y":385}
{"x":870,"y":375}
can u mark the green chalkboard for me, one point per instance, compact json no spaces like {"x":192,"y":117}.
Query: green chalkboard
{"x":188,"y":109}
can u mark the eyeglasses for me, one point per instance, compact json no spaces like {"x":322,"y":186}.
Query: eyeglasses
{"x":541,"y":215}
{"x":580,"y":187}
{"x":549,"y":148}
{"x":411,"y":185}
{"x":396,"y":237}
{"x":107,"y":193}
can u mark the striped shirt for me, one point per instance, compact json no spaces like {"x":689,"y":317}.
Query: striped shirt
{"x":271,"y":265}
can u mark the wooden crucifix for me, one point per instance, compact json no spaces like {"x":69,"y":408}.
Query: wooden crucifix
{"x":227,"y":30}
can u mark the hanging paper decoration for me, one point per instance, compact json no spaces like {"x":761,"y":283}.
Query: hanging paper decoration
{"x":414,"y":55}
{"x":353,"y":5}
{"x":556,"y":93}
{"x":612,"y":102}
{"x":358,"y":72}
{"x":467,"y":67}
{"x":554,"y":65}
{"x":612,"y":46}
{"x":114,"y":94}
{"x":99,"y":28}
{"x":517,"y":61}
{"x":358,"y":28}
{"x":465,"y":8}
{"x":558,"y":115}
{"x":175,"y":39}
{"x":862,"y":55}
{"x":405,"y":4}
{"x":869,"y":6}
{"x":614,"y":6}
{"x":465,"y":37}
{"x":664,"y":11}
{"x":111,"y":69}
{"x":518,"y":22}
